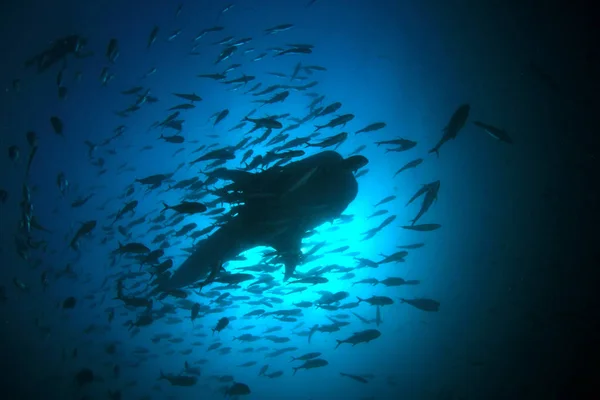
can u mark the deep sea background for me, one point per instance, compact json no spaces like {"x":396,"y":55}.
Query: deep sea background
{"x":510,"y":265}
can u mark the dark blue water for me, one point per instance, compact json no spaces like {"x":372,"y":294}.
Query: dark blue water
{"x":507,"y":265}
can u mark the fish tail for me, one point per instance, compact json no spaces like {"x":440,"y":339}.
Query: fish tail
{"x":295,"y":370}
{"x":166,"y":207}
{"x":435,"y":150}
{"x":359,"y":299}
{"x":338,"y":343}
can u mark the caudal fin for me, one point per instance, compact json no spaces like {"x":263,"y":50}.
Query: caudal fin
{"x":435,"y":150}
{"x":338,"y":343}
{"x":165,"y":207}
{"x":295,"y":370}
{"x":359,"y":299}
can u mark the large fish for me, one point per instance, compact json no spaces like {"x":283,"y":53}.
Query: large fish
{"x":271,"y":217}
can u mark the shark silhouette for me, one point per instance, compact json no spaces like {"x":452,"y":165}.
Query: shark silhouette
{"x":277,"y":208}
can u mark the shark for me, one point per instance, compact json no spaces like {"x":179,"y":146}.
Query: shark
{"x":274,"y":208}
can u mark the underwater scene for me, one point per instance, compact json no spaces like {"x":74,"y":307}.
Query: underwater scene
{"x":260,"y":199}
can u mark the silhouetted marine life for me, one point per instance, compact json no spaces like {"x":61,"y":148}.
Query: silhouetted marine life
{"x":496,"y":133}
{"x":423,"y":304}
{"x":84,"y":376}
{"x":311,"y":363}
{"x":59,"y":50}
{"x":57,"y":125}
{"x":69,"y":302}
{"x":222,"y":324}
{"x":179,"y":380}
{"x":277,"y":207}
{"x":456,"y":123}
{"x":238,"y":389}
{"x":360,"y":337}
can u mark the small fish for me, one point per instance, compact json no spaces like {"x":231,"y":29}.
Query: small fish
{"x":69,"y":303}
{"x":385,"y":200}
{"x":153,"y":36}
{"x":409,"y":165}
{"x":498,"y":134}
{"x":422,"y":227}
{"x":186,"y":207}
{"x":373,"y":127}
{"x":456,"y":123}
{"x":172,"y":139}
{"x":133,"y":90}
{"x":278,"y":28}
{"x":174,"y":35}
{"x":57,"y":125}
{"x":355,"y":377}
{"x":423,"y":304}
{"x":221,"y":116}
{"x":189,"y":96}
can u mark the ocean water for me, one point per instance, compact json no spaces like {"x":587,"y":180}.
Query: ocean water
{"x":500,"y":265}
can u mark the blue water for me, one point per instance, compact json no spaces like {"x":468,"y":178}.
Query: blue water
{"x":408,"y":64}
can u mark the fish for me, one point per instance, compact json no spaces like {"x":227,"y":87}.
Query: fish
{"x":342,"y":120}
{"x":278,"y":28}
{"x":234,"y":237}
{"x":179,"y":380}
{"x":498,"y":134}
{"x":310,"y":364}
{"x":360,"y":337}
{"x":153,"y":36}
{"x":189,"y":96}
{"x":84,"y":229}
{"x":422,"y":227}
{"x":57,"y":125}
{"x":423,"y":304}
{"x":430,"y":192}
{"x":335,"y":140}
{"x":456,"y":123}
{"x":372,"y":127}
{"x":172,"y":139}
{"x":355,"y":377}
{"x":186,"y":207}
{"x":411,"y":164}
